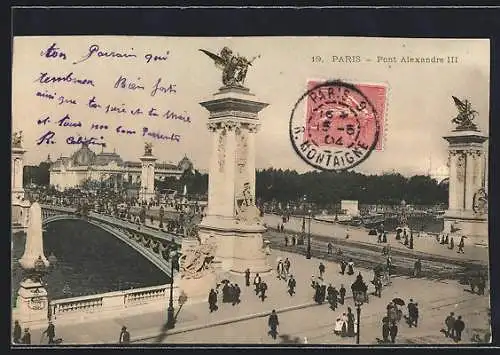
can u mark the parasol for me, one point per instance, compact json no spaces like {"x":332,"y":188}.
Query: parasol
{"x":398,"y":301}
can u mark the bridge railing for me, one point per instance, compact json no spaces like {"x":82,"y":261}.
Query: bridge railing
{"x":111,"y":303}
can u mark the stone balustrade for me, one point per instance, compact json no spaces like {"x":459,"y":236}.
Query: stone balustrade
{"x":111,"y":303}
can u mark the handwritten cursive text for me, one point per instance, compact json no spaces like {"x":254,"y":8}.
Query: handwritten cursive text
{"x":95,"y":51}
{"x":45,"y":78}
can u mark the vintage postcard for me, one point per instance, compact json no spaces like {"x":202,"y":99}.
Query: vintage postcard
{"x":250,"y":190}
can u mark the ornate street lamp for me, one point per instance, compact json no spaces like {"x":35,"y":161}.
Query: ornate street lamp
{"x":308,"y":255}
{"x":359,"y":295}
{"x":170,"y":311}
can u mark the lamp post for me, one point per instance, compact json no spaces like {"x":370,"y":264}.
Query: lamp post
{"x":170,"y":310}
{"x":359,"y":289}
{"x":308,"y":255}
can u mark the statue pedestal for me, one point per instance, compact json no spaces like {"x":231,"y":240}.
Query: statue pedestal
{"x":473,"y":226}
{"x":195,"y":288}
{"x":467,"y":204}
{"x":31,"y":304}
{"x":239,"y":246}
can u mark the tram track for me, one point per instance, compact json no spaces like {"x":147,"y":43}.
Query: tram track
{"x":367,"y":256}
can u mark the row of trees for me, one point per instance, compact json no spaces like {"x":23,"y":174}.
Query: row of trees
{"x":327,"y":188}
{"x":322,"y":188}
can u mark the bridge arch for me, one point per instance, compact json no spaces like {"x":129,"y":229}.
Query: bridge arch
{"x":124,"y":236}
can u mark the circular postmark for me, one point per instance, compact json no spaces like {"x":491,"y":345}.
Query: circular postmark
{"x":334,"y":126}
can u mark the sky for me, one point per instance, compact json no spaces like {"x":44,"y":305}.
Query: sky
{"x":418,"y":113}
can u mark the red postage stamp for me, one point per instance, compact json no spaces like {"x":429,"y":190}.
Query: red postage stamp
{"x":336,"y":125}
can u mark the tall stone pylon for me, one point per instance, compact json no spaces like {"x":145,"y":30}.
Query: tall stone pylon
{"x":147,"y":174}
{"x":467,"y":213}
{"x":32,"y":302}
{"x":17,"y":167}
{"x":232,"y":217}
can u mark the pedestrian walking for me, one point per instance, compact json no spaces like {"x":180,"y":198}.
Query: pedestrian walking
{"x":321,"y":270}
{"x":384,"y":238}
{"x":415,"y":315}
{"x":452,"y":244}
{"x":212,"y":300}
{"x":236,"y":294}
{"x":378,"y":287}
{"x":26,"y":339}
{"x":330,"y":248}
{"x":411,"y":313}
{"x":393,"y":332}
{"x":458,"y":327}
{"x":256,"y":281}
{"x":287,"y":266}
{"x":124,"y":336}
{"x":450,"y":323}
{"x":417,"y":268}
{"x":461,"y":245}
{"x":342,"y":294}
{"x":50,"y":332}
{"x":263,"y":289}
{"x":273,"y":323}
{"x":379,"y":237}
{"x":291,"y":285}
{"x":350,"y":267}
{"x":17,"y":334}
{"x":385,"y":331}
{"x":247,"y":277}
{"x":350,"y":322}
{"x":343,"y":265}
{"x":286,"y":240}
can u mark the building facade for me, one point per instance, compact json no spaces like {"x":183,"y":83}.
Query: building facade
{"x":106,"y":168}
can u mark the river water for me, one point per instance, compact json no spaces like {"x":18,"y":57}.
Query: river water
{"x":89,"y":261}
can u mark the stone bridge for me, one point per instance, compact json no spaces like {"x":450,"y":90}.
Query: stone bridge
{"x":152,"y":243}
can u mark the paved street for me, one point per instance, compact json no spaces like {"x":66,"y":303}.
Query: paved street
{"x":338,"y":232}
{"x":314,"y":322}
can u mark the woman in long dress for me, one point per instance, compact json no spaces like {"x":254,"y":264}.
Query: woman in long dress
{"x":350,"y":267}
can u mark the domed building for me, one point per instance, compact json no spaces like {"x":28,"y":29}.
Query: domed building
{"x":107,"y":169}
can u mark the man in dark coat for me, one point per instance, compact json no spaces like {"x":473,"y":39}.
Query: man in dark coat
{"x":236,"y":294}
{"x":461,"y":245}
{"x":411,"y":313}
{"x":385,"y":332}
{"x":321,"y":270}
{"x":124,"y":336}
{"x":378,"y":287}
{"x":17,"y":332}
{"x":26,"y":339}
{"x":343,"y":265}
{"x":330,"y":248}
{"x":384,"y":238}
{"x":350,"y":322}
{"x":450,"y":322}
{"x":417,"y":268}
{"x":342,"y":294}
{"x":273,"y":323}
{"x":329,"y":294}
{"x":247,"y":277}
{"x":393,"y":332}
{"x":263,"y":289}
{"x":335,"y":295}
{"x":51,"y":332}
{"x":212,"y":300}
{"x":459,"y":327}
{"x":291,"y":285}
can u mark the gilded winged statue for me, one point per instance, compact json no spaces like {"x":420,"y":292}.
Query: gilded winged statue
{"x":465,"y":115}
{"x":148,"y":149}
{"x":234,"y":67}
{"x":17,"y":139}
